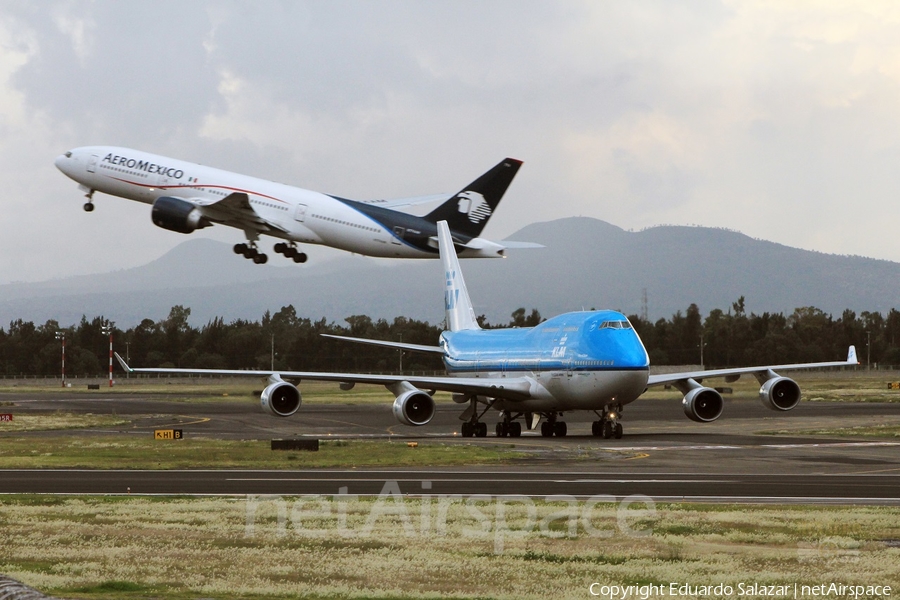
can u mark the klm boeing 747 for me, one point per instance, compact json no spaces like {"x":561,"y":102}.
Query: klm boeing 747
{"x":588,"y":360}
{"x":187,"y":196}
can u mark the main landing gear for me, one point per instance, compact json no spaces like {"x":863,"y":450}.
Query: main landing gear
{"x":89,"y":205}
{"x":508,"y":427}
{"x":551,"y":426}
{"x":608,"y":426}
{"x":290,"y":251}
{"x":472,"y":425}
{"x":476,"y":429}
{"x":252,"y":252}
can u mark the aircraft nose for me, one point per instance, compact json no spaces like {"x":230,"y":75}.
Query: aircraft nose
{"x":61,"y":162}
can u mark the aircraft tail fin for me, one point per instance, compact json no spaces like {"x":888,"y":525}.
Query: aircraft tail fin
{"x":458,"y":306}
{"x":468,"y":211}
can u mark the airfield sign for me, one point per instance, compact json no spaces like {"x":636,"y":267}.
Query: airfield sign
{"x":5,"y":417}
{"x":167,"y":434}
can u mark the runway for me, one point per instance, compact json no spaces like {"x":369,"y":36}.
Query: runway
{"x":663,"y":455}
{"x":730,"y":487}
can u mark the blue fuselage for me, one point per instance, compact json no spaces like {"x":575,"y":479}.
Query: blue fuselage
{"x":582,"y":360}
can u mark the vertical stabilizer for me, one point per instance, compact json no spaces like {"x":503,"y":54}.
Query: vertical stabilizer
{"x":468,"y":211}
{"x":460,"y":313}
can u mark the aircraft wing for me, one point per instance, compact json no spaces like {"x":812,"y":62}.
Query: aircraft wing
{"x":412,"y":201}
{"x":512,"y":388}
{"x":399,"y":345}
{"x":235,"y":210}
{"x":734,"y":374}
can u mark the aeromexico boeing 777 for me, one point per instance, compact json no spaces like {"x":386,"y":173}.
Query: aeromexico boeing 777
{"x":187,"y":196}
{"x":589,"y":360}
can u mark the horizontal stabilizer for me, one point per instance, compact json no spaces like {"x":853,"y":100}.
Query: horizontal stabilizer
{"x":517,"y":245}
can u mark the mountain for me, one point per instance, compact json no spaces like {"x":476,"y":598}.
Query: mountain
{"x":586,"y":264}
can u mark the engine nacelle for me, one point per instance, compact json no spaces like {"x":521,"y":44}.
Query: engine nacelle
{"x":281,"y":399}
{"x":176,"y":214}
{"x":414,"y":407}
{"x":703,"y":404}
{"x":780,"y":393}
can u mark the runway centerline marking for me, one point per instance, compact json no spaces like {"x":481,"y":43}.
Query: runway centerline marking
{"x":469,"y":480}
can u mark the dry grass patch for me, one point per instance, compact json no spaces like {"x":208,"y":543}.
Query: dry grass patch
{"x":132,"y":452}
{"x":60,"y":421}
{"x":190,"y":548}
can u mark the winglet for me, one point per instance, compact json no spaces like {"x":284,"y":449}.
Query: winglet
{"x":122,"y":362}
{"x":458,"y":306}
{"x":851,"y":356}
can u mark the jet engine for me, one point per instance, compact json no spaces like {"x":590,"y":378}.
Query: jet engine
{"x":280,"y":399}
{"x":414,"y":407}
{"x":780,"y":393}
{"x":176,"y":214}
{"x":703,"y":404}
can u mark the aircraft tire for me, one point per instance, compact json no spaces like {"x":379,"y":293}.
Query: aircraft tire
{"x":240,"y":248}
{"x":597,"y":428}
{"x":88,"y":207}
{"x":608,"y":429}
{"x":280,"y":248}
{"x":515,"y":429}
{"x":481,"y":430}
{"x":261,"y":259}
{"x":466,"y":430}
{"x":546,"y":429}
{"x":500,"y":429}
{"x":560,"y":429}
{"x":618,"y":432}
{"x":300,"y":258}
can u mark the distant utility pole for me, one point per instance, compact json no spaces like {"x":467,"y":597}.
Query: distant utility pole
{"x":702,"y":343}
{"x":108,"y":330}
{"x":645,"y":308}
{"x":868,"y":350}
{"x":272,"y":367}
{"x":61,"y":335}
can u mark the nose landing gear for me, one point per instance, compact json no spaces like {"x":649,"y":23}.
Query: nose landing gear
{"x":608,"y":426}
{"x":89,"y":205}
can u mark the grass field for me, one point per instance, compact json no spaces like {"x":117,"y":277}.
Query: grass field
{"x":132,"y":547}
{"x":130,"y":452}
{"x":60,"y":421}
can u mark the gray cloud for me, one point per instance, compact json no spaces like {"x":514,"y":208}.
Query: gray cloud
{"x":777,"y":120}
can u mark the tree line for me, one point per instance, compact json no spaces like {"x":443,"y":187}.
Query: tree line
{"x":284,"y":340}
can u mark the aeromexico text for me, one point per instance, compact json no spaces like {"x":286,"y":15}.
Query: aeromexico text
{"x":143,"y":165}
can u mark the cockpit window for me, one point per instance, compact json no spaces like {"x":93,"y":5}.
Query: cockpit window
{"x":615,"y":325}
{"x":69,"y":154}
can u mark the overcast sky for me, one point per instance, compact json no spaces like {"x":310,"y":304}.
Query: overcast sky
{"x":777,"y":119}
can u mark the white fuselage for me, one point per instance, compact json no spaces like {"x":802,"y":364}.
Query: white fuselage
{"x":300,"y":215}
